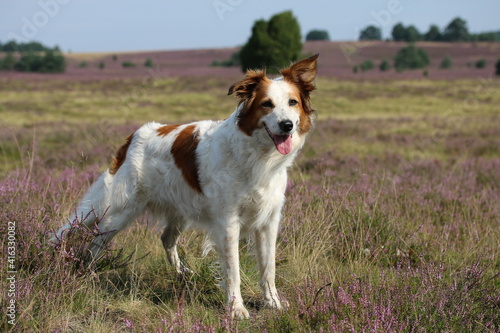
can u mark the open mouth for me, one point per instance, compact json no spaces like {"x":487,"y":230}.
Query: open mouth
{"x":283,"y":143}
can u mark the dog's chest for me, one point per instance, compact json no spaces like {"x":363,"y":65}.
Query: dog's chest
{"x":258,"y":207}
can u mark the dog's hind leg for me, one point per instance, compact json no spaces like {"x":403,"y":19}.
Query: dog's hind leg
{"x":169,"y":238}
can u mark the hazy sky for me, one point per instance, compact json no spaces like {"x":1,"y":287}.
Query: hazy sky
{"x":127,"y":25}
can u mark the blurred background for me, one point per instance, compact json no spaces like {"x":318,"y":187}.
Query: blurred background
{"x":353,"y":37}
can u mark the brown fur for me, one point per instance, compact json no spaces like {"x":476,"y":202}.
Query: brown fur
{"x":165,"y":130}
{"x":120,"y":156}
{"x":184,"y":153}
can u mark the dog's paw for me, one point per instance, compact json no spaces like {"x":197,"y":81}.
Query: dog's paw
{"x":276,"y":304}
{"x":239,"y":312}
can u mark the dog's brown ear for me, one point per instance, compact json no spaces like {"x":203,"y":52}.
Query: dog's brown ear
{"x":245,"y":88}
{"x":302,"y":73}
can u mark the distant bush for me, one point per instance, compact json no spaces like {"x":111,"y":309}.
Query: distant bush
{"x":114,"y":57}
{"x":83,"y":64}
{"x":148,"y":63}
{"x":355,"y":69}
{"x":470,"y":64}
{"x":314,"y":35}
{"x":385,"y":65}
{"x":425,"y":73}
{"x":497,"y":72}
{"x":367,"y":65}
{"x":102,"y":65}
{"x":411,"y":57}
{"x":446,"y":63}
{"x":128,"y":64}
{"x":8,"y":63}
{"x":481,"y":63}
{"x":50,"y":62}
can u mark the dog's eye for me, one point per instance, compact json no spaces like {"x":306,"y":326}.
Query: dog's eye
{"x":293,"y":102}
{"x":268,"y":104}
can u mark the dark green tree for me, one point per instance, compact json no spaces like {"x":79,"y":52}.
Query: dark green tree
{"x":411,"y":57}
{"x":10,"y":46}
{"x":481,"y":63}
{"x":8,"y":63}
{"x":367,"y":65}
{"x":273,"y":43}
{"x":53,"y":62}
{"x":317,"y":35}
{"x":434,"y":34}
{"x":446,"y":63}
{"x":456,"y":31}
{"x":385,"y":65}
{"x":148,"y":63}
{"x":412,"y":34}
{"x":371,"y":32}
{"x":29,"y":62}
{"x":399,"y":33}
{"x":497,"y":66}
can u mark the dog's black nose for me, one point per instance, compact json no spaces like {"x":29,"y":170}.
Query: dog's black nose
{"x":286,"y":125}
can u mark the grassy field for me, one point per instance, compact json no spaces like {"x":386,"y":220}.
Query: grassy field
{"x":391,"y":222}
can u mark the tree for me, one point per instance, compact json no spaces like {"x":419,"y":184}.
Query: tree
{"x":148,"y":63}
{"x":497,"y":72}
{"x":481,"y":63}
{"x":411,"y":57}
{"x":385,"y":65}
{"x":53,"y":62}
{"x":314,"y":35}
{"x":8,"y":63}
{"x":434,"y":34}
{"x":456,"y":31}
{"x":446,"y":63}
{"x":367,"y":65}
{"x":29,"y":62}
{"x":399,"y":33}
{"x":412,"y":34}
{"x":10,"y":46}
{"x":128,"y":64}
{"x":371,"y":32}
{"x":273,"y":43}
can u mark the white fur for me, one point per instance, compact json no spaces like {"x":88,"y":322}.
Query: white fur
{"x":243,"y":179}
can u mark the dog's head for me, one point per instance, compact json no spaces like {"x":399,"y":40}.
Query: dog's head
{"x":277,"y":112}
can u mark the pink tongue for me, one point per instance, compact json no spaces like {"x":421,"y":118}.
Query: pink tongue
{"x":283,"y":143}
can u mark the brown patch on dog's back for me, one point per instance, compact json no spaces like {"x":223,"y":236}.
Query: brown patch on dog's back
{"x":165,"y":130}
{"x":120,"y":156}
{"x":184,"y":153}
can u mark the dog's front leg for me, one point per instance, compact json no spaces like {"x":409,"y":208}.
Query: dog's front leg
{"x":265,"y":239}
{"x":231,"y":266}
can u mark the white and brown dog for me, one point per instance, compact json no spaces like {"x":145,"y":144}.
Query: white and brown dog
{"x":227,"y":178}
